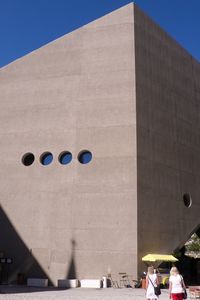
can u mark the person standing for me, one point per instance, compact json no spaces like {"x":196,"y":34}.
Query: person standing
{"x":151,"y":282}
{"x":176,"y":285}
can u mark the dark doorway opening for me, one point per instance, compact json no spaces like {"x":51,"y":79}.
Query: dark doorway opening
{"x":189,"y":258}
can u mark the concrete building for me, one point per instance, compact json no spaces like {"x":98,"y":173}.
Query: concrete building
{"x":100,"y":150}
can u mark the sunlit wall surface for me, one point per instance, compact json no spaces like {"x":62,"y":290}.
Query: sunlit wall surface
{"x":99,"y":150}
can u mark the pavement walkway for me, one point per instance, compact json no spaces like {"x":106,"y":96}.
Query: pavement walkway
{"x":25,"y":293}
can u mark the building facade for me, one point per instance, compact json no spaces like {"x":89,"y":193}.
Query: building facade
{"x":99,"y":150}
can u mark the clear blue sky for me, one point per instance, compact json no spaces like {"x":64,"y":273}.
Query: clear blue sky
{"x":26,"y":25}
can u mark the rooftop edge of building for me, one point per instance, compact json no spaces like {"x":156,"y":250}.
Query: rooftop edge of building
{"x":124,"y":14}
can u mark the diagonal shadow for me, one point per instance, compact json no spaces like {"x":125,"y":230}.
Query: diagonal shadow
{"x":24,"y":265}
{"x":198,"y":231}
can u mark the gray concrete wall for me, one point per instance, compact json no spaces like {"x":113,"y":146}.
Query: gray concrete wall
{"x":168,"y":145}
{"x":75,"y":93}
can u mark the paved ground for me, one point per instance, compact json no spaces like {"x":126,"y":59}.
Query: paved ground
{"x":24,"y":293}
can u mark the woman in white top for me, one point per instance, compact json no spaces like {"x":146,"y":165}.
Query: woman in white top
{"x":151,"y":282}
{"x":176,"y":285}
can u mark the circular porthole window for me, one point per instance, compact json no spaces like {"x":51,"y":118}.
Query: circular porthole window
{"x":85,"y":157}
{"x":46,"y":158}
{"x":28,"y":159}
{"x":187,"y":200}
{"x":65,"y":157}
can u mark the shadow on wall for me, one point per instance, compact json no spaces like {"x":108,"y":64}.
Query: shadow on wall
{"x":71,"y":273}
{"x":23,"y":264}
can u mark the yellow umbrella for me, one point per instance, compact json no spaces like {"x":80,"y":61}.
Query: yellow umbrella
{"x":159,"y":257}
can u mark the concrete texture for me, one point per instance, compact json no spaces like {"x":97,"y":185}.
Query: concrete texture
{"x":167,"y":139}
{"x":121,"y":88}
{"x":76,"y":93}
{"x":79,"y":294}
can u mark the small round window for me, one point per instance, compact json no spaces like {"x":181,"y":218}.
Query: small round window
{"x":46,"y":158}
{"x":85,"y":157}
{"x":28,"y":159}
{"x":187,"y":200}
{"x":65,"y":158}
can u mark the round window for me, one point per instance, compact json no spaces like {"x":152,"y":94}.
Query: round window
{"x":46,"y":158}
{"x":28,"y":159}
{"x":65,"y":158}
{"x":187,"y":200}
{"x":85,"y":157}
